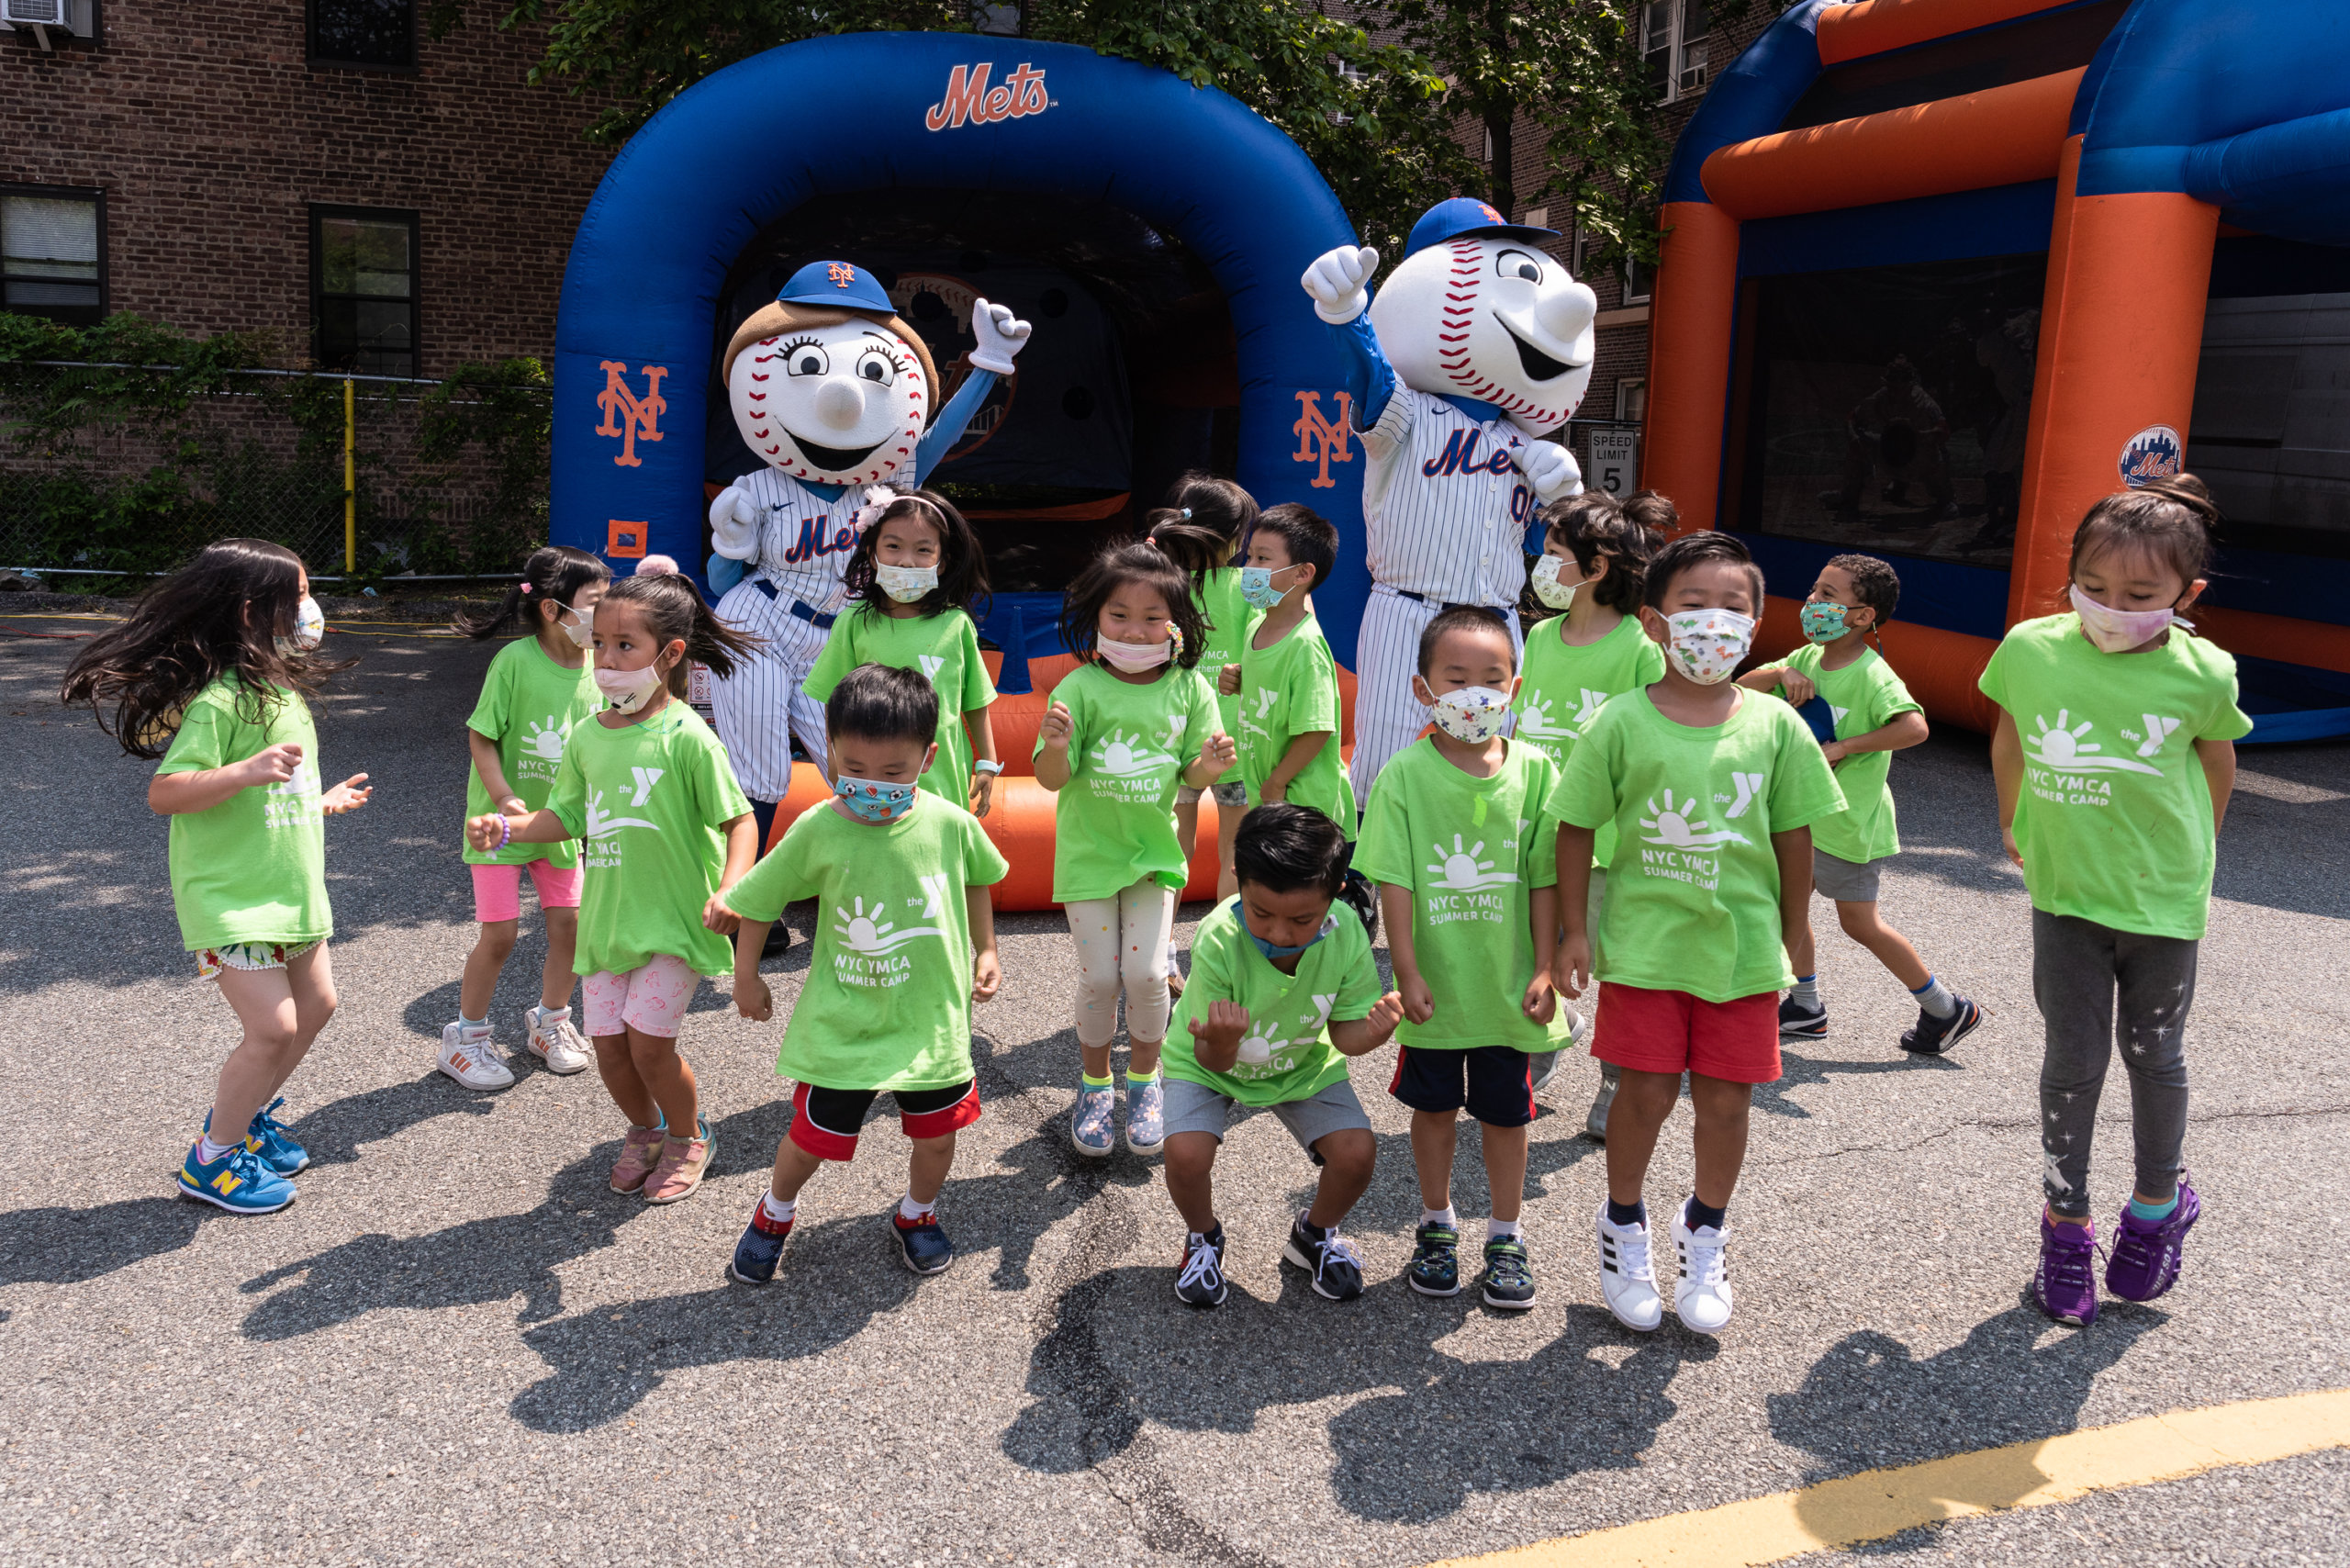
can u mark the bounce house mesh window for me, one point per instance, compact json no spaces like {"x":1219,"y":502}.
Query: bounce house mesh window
{"x":2271,"y":432}
{"x":1887,"y":407}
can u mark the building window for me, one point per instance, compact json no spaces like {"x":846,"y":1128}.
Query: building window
{"x":52,"y":253}
{"x":1673,"y":40}
{"x":377,"y":35}
{"x":1640,"y":281}
{"x":1632,"y":399}
{"x":363,"y":290}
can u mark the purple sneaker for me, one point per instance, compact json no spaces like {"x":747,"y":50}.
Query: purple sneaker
{"x":2065,"y":1286}
{"x":2147,"y":1252}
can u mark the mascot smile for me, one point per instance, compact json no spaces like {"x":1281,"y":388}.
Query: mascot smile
{"x":1476,"y":351}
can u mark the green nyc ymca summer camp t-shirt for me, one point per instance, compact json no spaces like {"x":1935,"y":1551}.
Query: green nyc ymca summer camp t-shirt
{"x":1693,"y":892}
{"x":887,"y":1002}
{"x":252,"y":868}
{"x":944,"y":647}
{"x":1229,"y":618}
{"x":1287,"y":691}
{"x":2114,"y":819}
{"x":1336,"y":978}
{"x":646,"y":800}
{"x":528,"y":705}
{"x":1114,"y":820}
{"x":1563,"y":687}
{"x":1865,"y":695}
{"x":1472,"y":851}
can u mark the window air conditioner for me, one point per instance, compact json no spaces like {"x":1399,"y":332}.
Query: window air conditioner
{"x":34,"y":12}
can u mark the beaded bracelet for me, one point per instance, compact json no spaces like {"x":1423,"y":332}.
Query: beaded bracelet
{"x":505,"y":830}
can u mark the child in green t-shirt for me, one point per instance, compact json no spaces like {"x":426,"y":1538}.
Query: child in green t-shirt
{"x":213,"y":674}
{"x":536,"y":689}
{"x":1132,"y":723}
{"x":666,"y":830}
{"x":916,"y":569}
{"x":1457,"y":840}
{"x":1861,"y":715}
{"x":1712,"y":791}
{"x":2115,"y":754}
{"x":1285,"y":681}
{"x":900,"y":876}
{"x":1201,"y":527}
{"x":1284,"y":991}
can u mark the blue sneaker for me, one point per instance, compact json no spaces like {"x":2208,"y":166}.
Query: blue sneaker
{"x":267,"y":1136}
{"x":1091,"y":1125}
{"x":1146,"y":1115}
{"x":761,"y":1249}
{"x":923,"y":1246}
{"x":237,"y":1182}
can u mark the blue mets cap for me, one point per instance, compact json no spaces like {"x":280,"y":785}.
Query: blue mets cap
{"x":1464,"y":215}
{"x":836,"y":284}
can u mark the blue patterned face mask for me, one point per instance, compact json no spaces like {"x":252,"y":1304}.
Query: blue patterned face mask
{"x":1257,"y":586}
{"x":1272,"y":951}
{"x":873,"y":802}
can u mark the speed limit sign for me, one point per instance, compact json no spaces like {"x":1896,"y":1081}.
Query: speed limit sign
{"x":1615,"y":461}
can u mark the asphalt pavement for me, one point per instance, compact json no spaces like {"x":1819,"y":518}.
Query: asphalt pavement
{"x":460,"y":1347}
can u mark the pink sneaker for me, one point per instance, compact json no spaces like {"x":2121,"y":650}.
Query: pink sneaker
{"x":683,"y":1160}
{"x":640,"y":1151}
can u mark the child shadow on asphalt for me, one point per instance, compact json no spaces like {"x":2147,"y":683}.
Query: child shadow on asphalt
{"x":1797,"y":1072}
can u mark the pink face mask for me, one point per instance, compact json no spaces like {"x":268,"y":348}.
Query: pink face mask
{"x":1136,"y":657}
{"x":2118,"y":630}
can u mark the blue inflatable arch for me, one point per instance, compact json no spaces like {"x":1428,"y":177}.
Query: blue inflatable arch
{"x":871,"y":112}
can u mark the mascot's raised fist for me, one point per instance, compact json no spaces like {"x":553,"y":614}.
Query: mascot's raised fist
{"x":734,"y":524}
{"x":1552,"y":471}
{"x":1336,"y":280}
{"x":1001,"y":335}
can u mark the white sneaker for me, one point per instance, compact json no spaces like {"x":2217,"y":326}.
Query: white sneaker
{"x":1701,"y":1298}
{"x":1625,"y":1276}
{"x":557,"y":1043}
{"x":473,"y":1059}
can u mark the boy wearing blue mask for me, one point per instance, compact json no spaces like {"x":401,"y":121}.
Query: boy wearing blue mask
{"x":905,"y":943}
{"x":1284,"y":991}
{"x":1286,"y":680}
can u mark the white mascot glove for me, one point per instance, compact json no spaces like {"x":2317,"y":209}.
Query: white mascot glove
{"x":1336,"y":280}
{"x":734,"y":524}
{"x":1552,"y":469}
{"x":1000,"y":336}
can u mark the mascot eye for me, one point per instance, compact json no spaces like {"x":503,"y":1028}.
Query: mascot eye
{"x":806,"y":358}
{"x":1517,"y":263}
{"x":875,"y":367}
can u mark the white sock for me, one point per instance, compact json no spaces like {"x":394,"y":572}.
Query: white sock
{"x":553,"y":1015}
{"x":779,"y":1210}
{"x":1806,"y":991}
{"x":207,"y":1151}
{"x":1497,"y":1228}
{"x":1935,"y":997}
{"x":911,"y":1210}
{"x":1440,"y":1216}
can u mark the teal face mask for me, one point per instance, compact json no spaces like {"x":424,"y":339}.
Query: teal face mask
{"x":874,"y":802}
{"x":1823,"y":622}
{"x":1272,"y":950}
{"x":1257,"y":586}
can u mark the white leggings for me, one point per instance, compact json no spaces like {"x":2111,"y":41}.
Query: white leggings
{"x":1122,"y":941}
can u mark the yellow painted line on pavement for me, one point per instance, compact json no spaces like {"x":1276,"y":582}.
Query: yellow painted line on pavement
{"x":1880,"y":1503}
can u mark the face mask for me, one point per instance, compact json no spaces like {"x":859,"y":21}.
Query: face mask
{"x":1473,"y":714}
{"x":1272,"y":950}
{"x":1708,"y":644}
{"x":2118,"y":630}
{"x":1546,"y":586}
{"x":906,"y":584}
{"x":1257,"y":586}
{"x":872,"y":802}
{"x":627,"y":690}
{"x":580,"y":628}
{"x":309,"y":628}
{"x":1136,"y":657}
{"x":1823,"y":622}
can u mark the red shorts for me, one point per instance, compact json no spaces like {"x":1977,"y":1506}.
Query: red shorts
{"x":825,"y":1122}
{"x":1671,"y":1031}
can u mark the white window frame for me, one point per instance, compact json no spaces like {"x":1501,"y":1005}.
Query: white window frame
{"x":1684,"y":52}
{"x":1628,"y":389}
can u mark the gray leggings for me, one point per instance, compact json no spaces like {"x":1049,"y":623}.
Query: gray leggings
{"x":2077,"y":967}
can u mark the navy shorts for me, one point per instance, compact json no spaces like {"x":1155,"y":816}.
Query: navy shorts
{"x":1493,"y":1084}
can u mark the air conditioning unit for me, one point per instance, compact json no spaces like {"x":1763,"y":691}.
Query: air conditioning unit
{"x":34,"y":12}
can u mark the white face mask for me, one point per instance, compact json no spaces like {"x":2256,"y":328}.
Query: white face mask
{"x":628,"y":689}
{"x":2118,"y":630}
{"x":1706,"y":645}
{"x":580,"y":628}
{"x":1135,"y":657}
{"x":1546,"y":586}
{"x":906,"y":584}
{"x":1473,"y":714}
{"x":309,"y":628}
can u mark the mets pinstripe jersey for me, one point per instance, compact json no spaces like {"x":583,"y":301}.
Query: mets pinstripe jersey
{"x":1444,"y":506}
{"x":805,"y":541}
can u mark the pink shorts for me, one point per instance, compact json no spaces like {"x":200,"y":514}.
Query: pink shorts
{"x":1671,"y":1031}
{"x":497,"y":890}
{"x":649,"y":999}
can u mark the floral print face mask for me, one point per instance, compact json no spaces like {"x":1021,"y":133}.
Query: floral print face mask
{"x":1706,"y":645}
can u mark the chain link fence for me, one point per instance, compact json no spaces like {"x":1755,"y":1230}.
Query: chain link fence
{"x":127,"y":470}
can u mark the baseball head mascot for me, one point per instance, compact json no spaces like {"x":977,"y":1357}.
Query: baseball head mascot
{"x":1478,"y":347}
{"x":840,"y":397}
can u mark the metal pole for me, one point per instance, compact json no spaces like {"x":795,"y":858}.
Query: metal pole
{"x":350,"y":478}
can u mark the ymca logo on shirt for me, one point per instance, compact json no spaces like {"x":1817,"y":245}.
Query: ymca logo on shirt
{"x":869,"y":939}
{"x":1128,"y":768}
{"x":603,"y":824}
{"x":1266,"y":699}
{"x":291,"y":802}
{"x":1281,"y":1054}
{"x":2065,"y":768}
{"x":542,"y":743}
{"x":1687,"y":837}
{"x":1462,"y":882}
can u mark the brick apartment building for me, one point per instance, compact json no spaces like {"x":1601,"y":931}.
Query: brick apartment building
{"x":317,"y":169}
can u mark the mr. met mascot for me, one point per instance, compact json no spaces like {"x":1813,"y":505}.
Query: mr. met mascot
{"x":838,"y":395}
{"x":1478,"y":346}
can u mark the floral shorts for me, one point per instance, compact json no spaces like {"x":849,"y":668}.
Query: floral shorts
{"x":249,"y":955}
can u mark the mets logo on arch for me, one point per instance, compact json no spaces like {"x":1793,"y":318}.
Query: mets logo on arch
{"x":970,"y":98}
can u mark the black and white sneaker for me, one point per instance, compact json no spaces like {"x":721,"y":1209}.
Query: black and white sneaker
{"x":1200,"y":1281}
{"x":1337,"y":1266}
{"x":1934,"y":1035}
{"x":1798,"y":1022}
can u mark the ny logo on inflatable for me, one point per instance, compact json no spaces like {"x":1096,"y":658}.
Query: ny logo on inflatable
{"x":638,"y":416}
{"x":1322,"y":440}
{"x":969,"y":98}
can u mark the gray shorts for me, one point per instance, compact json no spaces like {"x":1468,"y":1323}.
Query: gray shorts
{"x":1233,"y":794}
{"x":1846,"y":881}
{"x":1195,"y":1108}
